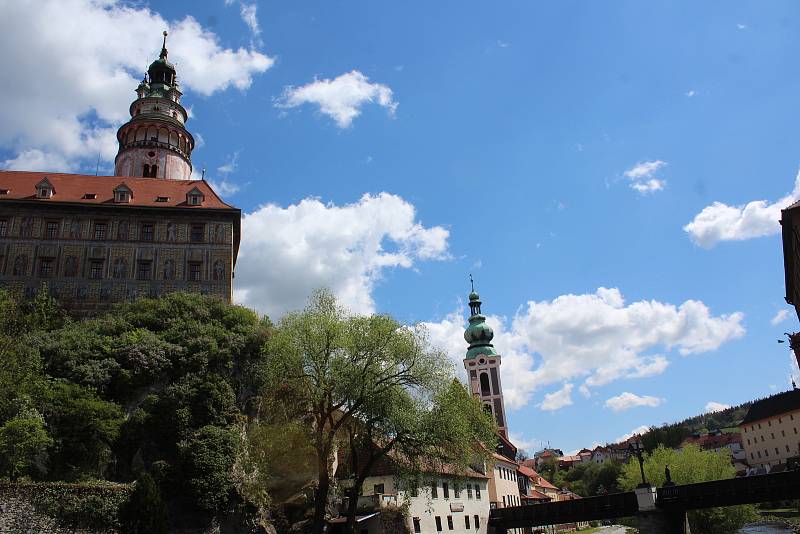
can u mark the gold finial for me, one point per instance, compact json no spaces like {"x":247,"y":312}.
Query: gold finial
{"x":164,"y":47}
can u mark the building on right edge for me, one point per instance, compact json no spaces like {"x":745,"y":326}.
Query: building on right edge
{"x":770,"y":430}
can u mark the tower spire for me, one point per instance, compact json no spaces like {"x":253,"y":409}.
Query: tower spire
{"x":163,"y":54}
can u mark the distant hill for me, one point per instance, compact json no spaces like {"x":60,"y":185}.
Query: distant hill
{"x":672,"y":434}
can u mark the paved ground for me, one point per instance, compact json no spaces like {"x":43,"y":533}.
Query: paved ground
{"x":615,"y":529}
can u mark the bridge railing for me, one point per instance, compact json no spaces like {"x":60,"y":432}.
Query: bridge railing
{"x":609,"y":506}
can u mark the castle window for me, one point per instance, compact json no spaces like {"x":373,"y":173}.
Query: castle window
{"x":46,"y":268}
{"x":144,"y":270}
{"x":100,"y":230}
{"x":477,"y":522}
{"x":197,"y":233}
{"x":485,"y":384}
{"x":147,"y":231}
{"x":194,"y":271}
{"x":52,"y":230}
{"x":96,"y":270}
{"x":3,"y":227}
{"x":122,"y":196}
{"x":445,"y":490}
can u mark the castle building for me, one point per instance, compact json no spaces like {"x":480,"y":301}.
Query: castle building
{"x":147,"y":230}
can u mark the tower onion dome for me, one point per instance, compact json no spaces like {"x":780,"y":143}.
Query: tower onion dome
{"x":478,"y":334}
{"x":162,"y":71}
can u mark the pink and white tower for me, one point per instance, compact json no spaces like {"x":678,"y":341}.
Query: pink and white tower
{"x":155,"y":142}
{"x":483,"y":364}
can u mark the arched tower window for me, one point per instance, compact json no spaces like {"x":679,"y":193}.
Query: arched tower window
{"x":153,"y":171}
{"x":485,"y":384}
{"x":146,"y":170}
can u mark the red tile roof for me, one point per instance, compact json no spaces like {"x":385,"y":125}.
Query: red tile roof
{"x":538,"y":495}
{"x":21,"y":185}
{"x":708,"y":441}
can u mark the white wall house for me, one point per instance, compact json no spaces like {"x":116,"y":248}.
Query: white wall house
{"x":450,"y":505}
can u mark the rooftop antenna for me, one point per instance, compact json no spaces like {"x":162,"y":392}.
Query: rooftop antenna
{"x":97,"y":167}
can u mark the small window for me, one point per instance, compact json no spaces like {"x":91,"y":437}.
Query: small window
{"x":100,"y":230}
{"x":766,"y":453}
{"x":438,"y":523}
{"x":147,"y":231}
{"x":776,"y":451}
{"x":46,"y":268}
{"x":469,"y":491}
{"x":477,"y":492}
{"x":378,"y":488}
{"x":122,"y":197}
{"x":197,"y":233}
{"x":450,"y":522}
{"x":504,"y":501}
{"x":417,"y":526}
{"x":44,"y":192}
{"x":445,"y":490}
{"x":96,"y":270}
{"x":194,"y":271}
{"x":144,"y":270}
{"x":787,"y":448}
{"x":466,"y":522}
{"x":52,"y":230}
{"x":162,"y":199}
{"x":3,"y":227}
{"x":4,"y":191}
{"x":195,"y":200}
{"x":89,"y":196}
{"x":434,"y":491}
{"x":477,"y":522}
{"x":456,"y":491}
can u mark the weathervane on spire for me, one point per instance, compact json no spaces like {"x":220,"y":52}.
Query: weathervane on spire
{"x":164,"y":46}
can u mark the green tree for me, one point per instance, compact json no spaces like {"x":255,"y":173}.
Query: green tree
{"x":689,"y":465}
{"x":145,"y":511}
{"x":341,"y":368}
{"x":23,"y":445}
{"x":207,"y":459}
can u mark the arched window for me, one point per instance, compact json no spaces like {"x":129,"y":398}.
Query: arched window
{"x":153,"y":171}
{"x":146,"y":170}
{"x":485,"y":384}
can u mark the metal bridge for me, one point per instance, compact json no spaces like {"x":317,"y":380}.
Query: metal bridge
{"x":669,"y":499}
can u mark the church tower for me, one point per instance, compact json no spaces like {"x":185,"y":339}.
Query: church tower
{"x":483,"y":364}
{"x":155,"y":142}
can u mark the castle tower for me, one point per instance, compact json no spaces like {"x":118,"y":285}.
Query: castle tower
{"x":483,"y":364}
{"x":155,"y":142}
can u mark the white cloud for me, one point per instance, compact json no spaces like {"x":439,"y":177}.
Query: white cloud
{"x":249,"y":15}
{"x":595,"y":337}
{"x":712,"y":406}
{"x":503,"y":44}
{"x":86,"y":68}
{"x":779,"y":317}
{"x":721,"y":222}
{"x":224,"y":187}
{"x":626,"y":401}
{"x":557,"y":399}
{"x":690,"y":93}
{"x":340,"y":98}
{"x":642,"y":176}
{"x":741,"y":26}
{"x":231,"y":163}
{"x":286,"y":253}
{"x":523,"y":443}
{"x":638,"y":431}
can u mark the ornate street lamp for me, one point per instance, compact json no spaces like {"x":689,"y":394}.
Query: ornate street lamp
{"x":636,"y":448}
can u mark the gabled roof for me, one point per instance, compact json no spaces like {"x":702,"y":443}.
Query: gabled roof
{"x":73,"y":188}
{"x":773,"y":406}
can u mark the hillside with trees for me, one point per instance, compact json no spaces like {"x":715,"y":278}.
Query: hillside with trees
{"x":217,"y":415}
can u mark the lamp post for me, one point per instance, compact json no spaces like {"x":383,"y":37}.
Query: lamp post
{"x":636,"y":447}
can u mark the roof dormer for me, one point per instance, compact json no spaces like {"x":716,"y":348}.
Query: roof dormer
{"x":122,"y":194}
{"x":195,"y":197}
{"x":44,"y":189}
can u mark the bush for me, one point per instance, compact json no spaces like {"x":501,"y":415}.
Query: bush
{"x":23,"y":445}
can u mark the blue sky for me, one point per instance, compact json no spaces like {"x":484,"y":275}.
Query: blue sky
{"x":548,"y":148}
